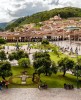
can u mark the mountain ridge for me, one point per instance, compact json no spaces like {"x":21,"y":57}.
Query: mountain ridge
{"x":65,"y":12}
{"x":3,"y":25}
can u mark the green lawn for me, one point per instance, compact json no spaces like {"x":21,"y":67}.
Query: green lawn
{"x":57,"y":80}
{"x":41,"y":46}
{"x":53,"y":81}
{"x":16,"y":70}
{"x":55,"y":58}
{"x":14,"y":43}
{"x":20,"y":43}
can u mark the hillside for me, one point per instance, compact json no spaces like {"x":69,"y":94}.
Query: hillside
{"x":45,"y":15}
{"x":1,"y":30}
{"x":3,"y":25}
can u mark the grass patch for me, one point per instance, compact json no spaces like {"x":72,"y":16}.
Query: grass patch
{"x":53,"y":81}
{"x":16,"y":80}
{"x":16,"y":70}
{"x":57,"y":80}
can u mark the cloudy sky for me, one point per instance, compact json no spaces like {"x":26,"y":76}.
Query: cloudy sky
{"x":12,"y":9}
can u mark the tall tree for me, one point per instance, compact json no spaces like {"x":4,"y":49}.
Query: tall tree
{"x":5,"y":69}
{"x":2,"y":55}
{"x":24,"y":62}
{"x":18,"y":55}
{"x":65,"y":64}
{"x":2,"y":41}
{"x":42,"y":63}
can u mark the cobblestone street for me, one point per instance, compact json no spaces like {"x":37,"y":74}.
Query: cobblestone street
{"x":36,"y":94}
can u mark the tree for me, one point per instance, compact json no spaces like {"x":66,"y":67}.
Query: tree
{"x":18,"y":55}
{"x":41,"y":54}
{"x":24,"y":62}
{"x":12,"y":29}
{"x":45,"y":42}
{"x":40,"y":70}
{"x":53,"y":67}
{"x":55,"y":50}
{"x":42,"y":63}
{"x":2,"y":55}
{"x":21,"y":54}
{"x":42,"y":59}
{"x":2,"y":41}
{"x":11,"y":57}
{"x":77,"y":67}
{"x":65,"y":64}
{"x":5,"y":69}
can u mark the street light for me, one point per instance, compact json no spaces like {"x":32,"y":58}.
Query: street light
{"x":17,"y":45}
{"x":77,"y":67}
{"x":17,"y":38}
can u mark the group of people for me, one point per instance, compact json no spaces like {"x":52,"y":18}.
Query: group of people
{"x":4,"y":83}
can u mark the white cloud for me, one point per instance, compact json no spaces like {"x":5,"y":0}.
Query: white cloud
{"x":11,"y":9}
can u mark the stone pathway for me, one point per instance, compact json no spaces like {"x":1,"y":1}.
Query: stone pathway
{"x":36,"y":94}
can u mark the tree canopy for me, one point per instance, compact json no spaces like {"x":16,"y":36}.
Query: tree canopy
{"x":2,"y":55}
{"x":24,"y":62}
{"x":2,"y":41}
{"x":43,"y":64}
{"x":45,"y":42}
{"x":5,"y":69}
{"x":65,"y":64}
{"x":18,"y":55}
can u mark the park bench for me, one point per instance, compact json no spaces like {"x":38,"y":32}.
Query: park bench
{"x":42,"y":86}
{"x":68,"y":86}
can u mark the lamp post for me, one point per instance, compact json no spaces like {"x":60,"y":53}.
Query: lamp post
{"x":63,"y":39}
{"x":17,"y":45}
{"x":58,"y":41}
{"x":77,"y":76}
{"x":77,"y":67}
{"x":29,"y":46}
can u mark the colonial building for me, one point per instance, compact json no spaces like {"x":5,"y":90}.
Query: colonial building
{"x":54,"y":29}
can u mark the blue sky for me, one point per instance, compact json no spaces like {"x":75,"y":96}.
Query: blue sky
{"x":12,"y":9}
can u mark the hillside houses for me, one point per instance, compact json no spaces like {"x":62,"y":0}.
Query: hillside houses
{"x":52,"y":30}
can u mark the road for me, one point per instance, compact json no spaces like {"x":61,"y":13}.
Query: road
{"x":36,"y":94}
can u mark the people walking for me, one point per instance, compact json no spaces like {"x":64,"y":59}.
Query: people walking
{"x":6,"y":84}
{"x":0,"y":85}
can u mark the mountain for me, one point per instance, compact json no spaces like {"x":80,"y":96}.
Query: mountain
{"x":3,"y":25}
{"x":1,"y":30}
{"x":45,"y":15}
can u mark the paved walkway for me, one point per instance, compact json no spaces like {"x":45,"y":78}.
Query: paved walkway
{"x":67,"y":44}
{"x":36,"y":94}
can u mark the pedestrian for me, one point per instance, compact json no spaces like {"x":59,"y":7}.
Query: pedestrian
{"x":0,"y":85}
{"x":6,"y":84}
{"x":3,"y":83}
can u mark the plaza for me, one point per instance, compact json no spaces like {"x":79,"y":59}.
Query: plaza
{"x":40,"y":50}
{"x":34,"y":93}
{"x":73,"y":45}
